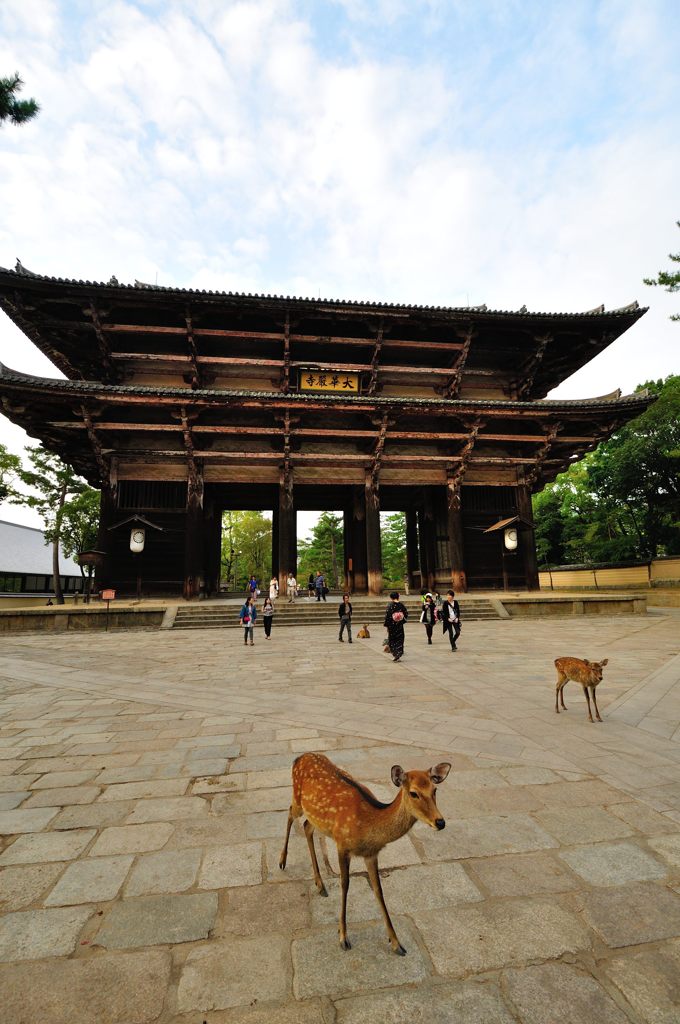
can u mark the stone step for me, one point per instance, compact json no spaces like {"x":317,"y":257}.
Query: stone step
{"x":371,"y":611}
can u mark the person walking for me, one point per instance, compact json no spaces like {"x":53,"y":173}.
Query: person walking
{"x":320,"y":586}
{"x":273,"y":589}
{"x":251,"y":587}
{"x":395,"y":617}
{"x":310,"y":587}
{"x":247,"y":617}
{"x":451,"y":618}
{"x":267,"y":617}
{"x":291,"y":587}
{"x":345,"y":614}
{"x":428,"y":616}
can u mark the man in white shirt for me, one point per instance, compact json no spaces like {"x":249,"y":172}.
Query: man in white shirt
{"x":291,"y":586}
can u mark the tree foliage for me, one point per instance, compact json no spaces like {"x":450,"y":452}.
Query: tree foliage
{"x":14,"y":110}
{"x":668,"y":279}
{"x":323,"y":551}
{"x":622,"y":501}
{"x":80,"y":522}
{"x":246,"y":549}
{"x":10,"y":467}
{"x":393,"y":541}
{"x":52,"y":483}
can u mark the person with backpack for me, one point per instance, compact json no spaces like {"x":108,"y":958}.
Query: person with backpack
{"x":451,"y":618}
{"x":428,"y":616}
{"x":345,"y":615}
{"x":320,"y":586}
{"x":247,"y":617}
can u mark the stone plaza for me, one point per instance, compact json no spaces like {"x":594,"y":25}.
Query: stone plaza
{"x":144,"y":785}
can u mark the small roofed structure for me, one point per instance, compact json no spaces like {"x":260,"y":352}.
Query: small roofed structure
{"x":26,"y":564}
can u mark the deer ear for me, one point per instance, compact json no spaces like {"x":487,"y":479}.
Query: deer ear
{"x":605,"y":662}
{"x":586,"y":662}
{"x":398,"y":775}
{"x":439,"y":772}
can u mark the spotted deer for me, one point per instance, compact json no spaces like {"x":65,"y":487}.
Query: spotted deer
{"x":587,"y":673}
{"x":360,"y":824}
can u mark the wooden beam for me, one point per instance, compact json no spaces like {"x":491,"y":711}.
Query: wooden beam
{"x":532,"y":365}
{"x":193,"y":351}
{"x":102,"y":340}
{"x":452,"y":387}
{"x":286,"y":354}
{"x":102,"y":464}
{"x":375,"y":360}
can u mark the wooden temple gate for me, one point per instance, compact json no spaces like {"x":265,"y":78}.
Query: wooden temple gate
{"x":181,"y":404}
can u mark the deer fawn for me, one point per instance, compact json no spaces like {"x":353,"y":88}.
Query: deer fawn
{"x":360,"y":824}
{"x":587,"y":673}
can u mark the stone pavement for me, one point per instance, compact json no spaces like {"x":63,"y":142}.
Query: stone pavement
{"x":144,"y":781}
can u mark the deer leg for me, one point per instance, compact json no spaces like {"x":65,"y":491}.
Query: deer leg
{"x":292,"y":815}
{"x":344,"y":859}
{"x":597,"y":710}
{"x":374,"y":879}
{"x":309,"y":833}
{"x":590,"y":714}
{"x":559,"y":687}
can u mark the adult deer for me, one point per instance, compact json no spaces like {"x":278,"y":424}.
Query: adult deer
{"x":587,"y":673}
{"x":360,"y":824}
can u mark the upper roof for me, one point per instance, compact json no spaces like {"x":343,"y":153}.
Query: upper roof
{"x":92,"y":331}
{"x":23,"y":549}
{"x":113,"y":285}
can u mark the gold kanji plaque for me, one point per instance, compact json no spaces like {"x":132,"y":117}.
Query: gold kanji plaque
{"x":329,"y":380}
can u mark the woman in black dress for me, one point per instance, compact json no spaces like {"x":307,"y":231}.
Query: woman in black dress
{"x":395,"y":617}
{"x":428,"y":616}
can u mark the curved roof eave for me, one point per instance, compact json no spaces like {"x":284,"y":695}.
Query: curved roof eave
{"x":631,"y":312}
{"x":613,"y":401}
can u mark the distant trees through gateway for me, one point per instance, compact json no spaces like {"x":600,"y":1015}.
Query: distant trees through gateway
{"x":247,"y":548}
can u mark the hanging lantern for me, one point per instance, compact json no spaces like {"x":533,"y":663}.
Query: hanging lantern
{"x":137,"y":537}
{"x":510,"y":538}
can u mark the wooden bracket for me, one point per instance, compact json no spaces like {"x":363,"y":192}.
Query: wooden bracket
{"x":452,"y":386}
{"x":102,"y":464}
{"x":552,"y":431}
{"x":375,"y":360}
{"x":102,"y":341}
{"x":193,"y":350}
{"x":532,"y":365}
{"x":456,"y":473}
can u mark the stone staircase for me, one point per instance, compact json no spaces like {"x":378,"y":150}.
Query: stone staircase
{"x":371,"y":610}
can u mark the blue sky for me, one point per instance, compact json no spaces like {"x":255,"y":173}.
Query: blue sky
{"x":440,"y":151}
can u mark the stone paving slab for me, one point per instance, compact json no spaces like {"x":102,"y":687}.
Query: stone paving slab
{"x":553,"y":890}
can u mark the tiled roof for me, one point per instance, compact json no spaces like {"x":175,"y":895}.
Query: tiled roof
{"x":337,"y":305}
{"x":185,"y":395}
{"x":23,"y":550}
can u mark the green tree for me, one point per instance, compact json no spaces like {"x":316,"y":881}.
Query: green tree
{"x":246,"y":548}
{"x":324,"y":551}
{"x":622,"y":501}
{"x":393,"y":543}
{"x":10,"y":467}
{"x":79,"y":526}
{"x":52,"y":483}
{"x":668,"y":279}
{"x":14,"y":110}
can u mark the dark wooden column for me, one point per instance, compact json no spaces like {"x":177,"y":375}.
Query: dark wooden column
{"x":412,"y":564}
{"x":527,"y":539}
{"x":373,"y":550}
{"x":193,"y":534}
{"x":357,"y":549}
{"x":212,"y":547}
{"x":455,"y":531}
{"x":428,"y":539}
{"x":108,"y":513}
{"x":287,"y":528}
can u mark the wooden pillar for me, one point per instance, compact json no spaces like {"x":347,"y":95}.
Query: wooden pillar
{"x":412,"y":565}
{"x":527,"y":539}
{"x":357,"y":551}
{"x":108,"y":511}
{"x":287,"y":529}
{"x":347,"y":545}
{"x":373,"y":550}
{"x":428,"y":539}
{"x":212,"y":548}
{"x":455,"y":531}
{"x":193,"y":535}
